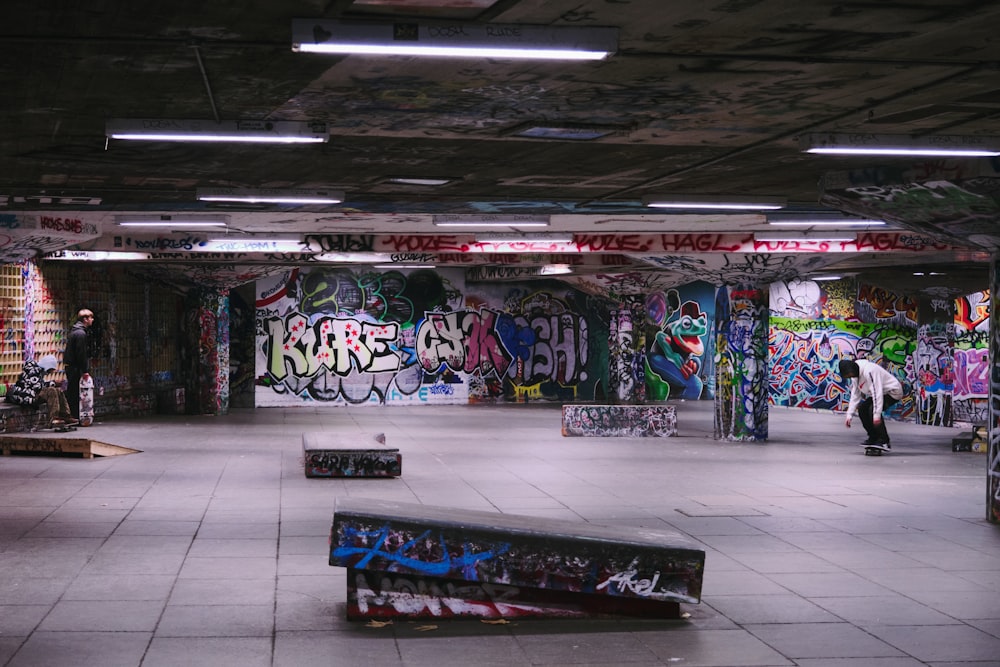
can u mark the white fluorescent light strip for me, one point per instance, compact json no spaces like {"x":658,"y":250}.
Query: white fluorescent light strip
{"x":901,"y":145}
{"x":826,"y":223}
{"x":175,"y":224}
{"x":926,"y":152}
{"x":404,"y":266}
{"x":491,"y":224}
{"x":714,"y":202}
{"x":735,"y":206}
{"x":804,"y":238}
{"x":453,"y":51}
{"x":524,"y":239}
{"x":261,"y":132}
{"x":269,"y":196}
{"x":243,"y":138}
{"x":456,"y":39}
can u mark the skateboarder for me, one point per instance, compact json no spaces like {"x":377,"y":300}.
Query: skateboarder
{"x":76,"y":358}
{"x":873,"y":391}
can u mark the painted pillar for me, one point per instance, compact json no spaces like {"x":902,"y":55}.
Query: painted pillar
{"x":206,"y":326}
{"x":993,"y":464}
{"x":626,"y":353}
{"x":742,"y":319}
{"x":934,"y":362}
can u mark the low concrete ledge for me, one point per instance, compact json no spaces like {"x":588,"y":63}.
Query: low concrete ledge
{"x":630,"y":421}
{"x":329,"y":454}
{"x":418,"y":561}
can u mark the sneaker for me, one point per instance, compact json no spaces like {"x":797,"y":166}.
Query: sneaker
{"x":868,"y":442}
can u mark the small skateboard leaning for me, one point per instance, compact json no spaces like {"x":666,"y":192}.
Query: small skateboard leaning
{"x":86,"y":400}
{"x":875,"y":450}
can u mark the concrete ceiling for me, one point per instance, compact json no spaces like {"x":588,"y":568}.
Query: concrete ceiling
{"x":701,"y":98}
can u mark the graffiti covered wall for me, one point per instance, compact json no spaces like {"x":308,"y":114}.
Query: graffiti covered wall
{"x":970,"y":402}
{"x":352,"y":336}
{"x":680,"y":340}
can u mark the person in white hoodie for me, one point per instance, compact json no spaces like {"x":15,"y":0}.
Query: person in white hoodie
{"x":873,"y":391}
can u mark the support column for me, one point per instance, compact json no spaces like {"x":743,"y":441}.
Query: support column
{"x":993,"y":464}
{"x":207,"y":332}
{"x":626,"y":353}
{"x":741,"y":399}
{"x":934,"y":362}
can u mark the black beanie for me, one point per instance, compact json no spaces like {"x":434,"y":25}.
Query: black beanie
{"x":848,"y":369}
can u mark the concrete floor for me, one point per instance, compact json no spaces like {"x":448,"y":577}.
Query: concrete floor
{"x":209,"y":547}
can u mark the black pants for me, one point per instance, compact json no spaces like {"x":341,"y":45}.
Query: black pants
{"x":73,"y":391}
{"x":875,"y":433}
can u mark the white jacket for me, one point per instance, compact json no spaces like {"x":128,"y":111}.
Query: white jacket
{"x":874,"y":381}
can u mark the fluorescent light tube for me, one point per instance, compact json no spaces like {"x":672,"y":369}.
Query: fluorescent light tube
{"x":714,"y":202}
{"x":803,"y":237}
{"x":428,"y":182}
{"x":457,"y":220}
{"x":404,"y":266}
{"x":819,"y":219}
{"x":270,"y":196}
{"x":465,"y":40}
{"x":533,"y":238}
{"x":901,"y":145}
{"x":252,"y":131}
{"x":172,"y":221}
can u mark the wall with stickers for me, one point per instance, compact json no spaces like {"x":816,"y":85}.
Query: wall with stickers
{"x":353,"y":336}
{"x":133,"y":340}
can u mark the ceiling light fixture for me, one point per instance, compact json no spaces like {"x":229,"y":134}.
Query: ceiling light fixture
{"x":819,"y":219}
{"x":822,"y":279}
{"x":403,"y":266}
{"x":426,"y":182}
{"x":464,"y":40}
{"x":172,"y":221}
{"x":803,"y":237}
{"x":270,"y":196}
{"x":252,"y":131}
{"x":714,"y":202}
{"x":901,"y":145}
{"x":455,"y":220}
{"x":526,"y":238}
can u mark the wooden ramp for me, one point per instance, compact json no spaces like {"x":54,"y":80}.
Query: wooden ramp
{"x":45,"y":445}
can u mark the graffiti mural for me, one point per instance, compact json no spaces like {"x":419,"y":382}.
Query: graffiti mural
{"x":970,"y":400}
{"x":804,"y":356}
{"x":678,"y":361}
{"x":341,"y":336}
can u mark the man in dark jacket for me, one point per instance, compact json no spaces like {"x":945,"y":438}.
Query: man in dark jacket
{"x":76,"y":358}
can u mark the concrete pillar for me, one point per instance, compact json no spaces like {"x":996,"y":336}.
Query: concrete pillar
{"x":207,"y":331}
{"x":741,"y":397}
{"x":934,"y":362}
{"x":993,"y":464}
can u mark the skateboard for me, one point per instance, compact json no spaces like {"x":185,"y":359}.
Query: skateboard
{"x":63,"y":428}
{"x":875,"y":450}
{"x":86,"y":400}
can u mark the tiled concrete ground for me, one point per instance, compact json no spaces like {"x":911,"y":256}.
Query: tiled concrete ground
{"x":210,"y":546}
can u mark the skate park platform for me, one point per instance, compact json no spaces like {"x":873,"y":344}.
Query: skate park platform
{"x":210,"y":546}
